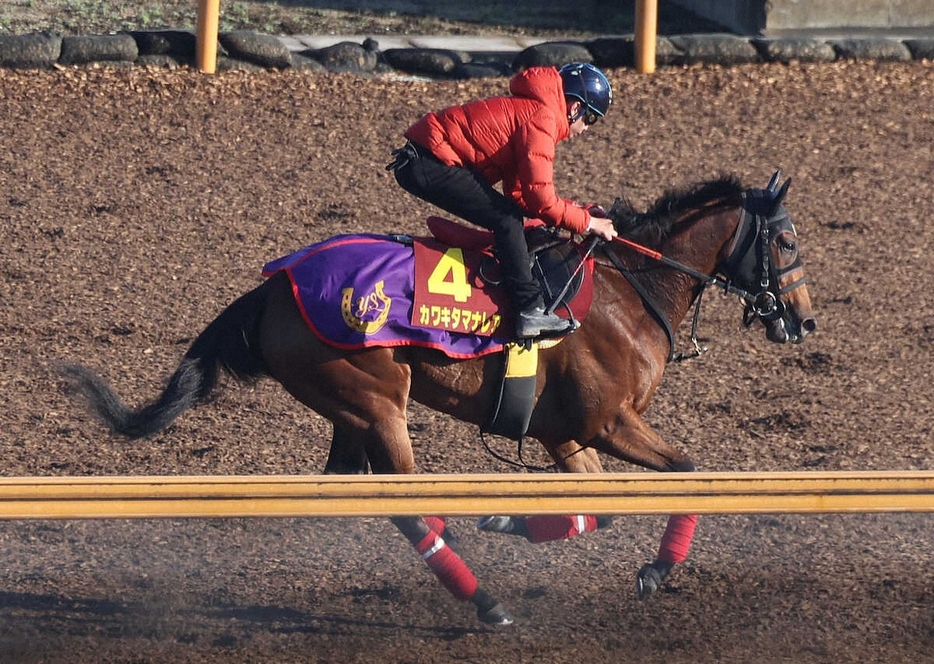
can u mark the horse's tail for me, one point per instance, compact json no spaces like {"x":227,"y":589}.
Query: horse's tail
{"x":228,"y":343}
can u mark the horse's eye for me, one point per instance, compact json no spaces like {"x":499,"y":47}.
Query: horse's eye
{"x":786,"y":245}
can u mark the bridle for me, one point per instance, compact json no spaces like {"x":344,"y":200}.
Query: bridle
{"x":762,"y":219}
{"x":747,"y":272}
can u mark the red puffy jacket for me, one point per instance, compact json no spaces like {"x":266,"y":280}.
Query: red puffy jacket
{"x":510,"y":140}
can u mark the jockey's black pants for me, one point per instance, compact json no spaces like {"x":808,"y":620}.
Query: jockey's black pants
{"x":466,"y":194}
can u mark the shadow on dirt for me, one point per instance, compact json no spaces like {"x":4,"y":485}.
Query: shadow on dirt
{"x":25,"y":616}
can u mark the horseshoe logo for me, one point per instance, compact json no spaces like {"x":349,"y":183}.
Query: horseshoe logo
{"x":354,"y":312}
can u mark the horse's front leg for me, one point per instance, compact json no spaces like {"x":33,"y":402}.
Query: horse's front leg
{"x":451,"y":570}
{"x":629,"y":438}
{"x":673,"y":549}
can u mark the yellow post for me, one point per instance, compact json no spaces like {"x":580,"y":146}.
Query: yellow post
{"x":208,"y":22}
{"x":646,"y":29}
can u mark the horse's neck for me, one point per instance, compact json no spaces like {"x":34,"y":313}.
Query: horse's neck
{"x":700,"y":243}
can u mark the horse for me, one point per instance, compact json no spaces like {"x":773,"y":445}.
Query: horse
{"x":591,"y":388}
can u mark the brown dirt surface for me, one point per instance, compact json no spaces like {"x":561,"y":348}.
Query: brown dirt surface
{"x":135,"y":204}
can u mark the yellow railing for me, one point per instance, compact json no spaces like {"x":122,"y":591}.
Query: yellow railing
{"x":464,"y":495}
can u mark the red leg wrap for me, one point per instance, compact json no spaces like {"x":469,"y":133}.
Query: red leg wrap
{"x":550,"y":527}
{"x":435,"y":523}
{"x":676,"y":542}
{"x":451,"y":571}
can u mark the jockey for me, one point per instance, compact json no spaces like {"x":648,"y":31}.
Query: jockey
{"x":454,"y":156}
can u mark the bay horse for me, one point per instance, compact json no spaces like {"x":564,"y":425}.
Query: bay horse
{"x":591,"y":387}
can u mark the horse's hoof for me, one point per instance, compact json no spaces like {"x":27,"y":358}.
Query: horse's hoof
{"x":648,"y":581}
{"x":650,"y":577}
{"x":499,"y":615}
{"x":496,"y":524}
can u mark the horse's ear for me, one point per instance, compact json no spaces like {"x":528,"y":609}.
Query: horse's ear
{"x":774,"y":181}
{"x":780,"y":194}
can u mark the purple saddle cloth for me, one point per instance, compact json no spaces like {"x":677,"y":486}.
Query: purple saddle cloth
{"x":357,"y":291}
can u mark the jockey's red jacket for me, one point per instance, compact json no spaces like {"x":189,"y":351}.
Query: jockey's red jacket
{"x":512,"y":140}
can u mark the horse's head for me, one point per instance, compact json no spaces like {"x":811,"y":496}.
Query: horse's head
{"x":765,"y":267}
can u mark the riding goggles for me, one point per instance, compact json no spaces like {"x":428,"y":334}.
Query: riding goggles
{"x":590,"y":116}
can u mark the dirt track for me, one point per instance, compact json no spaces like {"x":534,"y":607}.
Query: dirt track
{"x":136,"y":204}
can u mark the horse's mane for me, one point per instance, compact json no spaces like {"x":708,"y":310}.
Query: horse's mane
{"x":653,"y":225}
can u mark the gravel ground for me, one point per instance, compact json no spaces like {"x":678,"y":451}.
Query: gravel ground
{"x":135,"y":204}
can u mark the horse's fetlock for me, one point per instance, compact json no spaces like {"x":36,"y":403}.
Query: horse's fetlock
{"x":483,"y":600}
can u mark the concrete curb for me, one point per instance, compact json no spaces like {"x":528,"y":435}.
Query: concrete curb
{"x":441,"y":57}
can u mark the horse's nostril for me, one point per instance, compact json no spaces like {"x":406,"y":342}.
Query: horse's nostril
{"x":809,"y":325}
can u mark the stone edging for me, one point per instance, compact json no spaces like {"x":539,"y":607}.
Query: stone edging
{"x":248,"y":50}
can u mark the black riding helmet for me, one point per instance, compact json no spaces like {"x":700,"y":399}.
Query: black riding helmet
{"x":588,"y":84}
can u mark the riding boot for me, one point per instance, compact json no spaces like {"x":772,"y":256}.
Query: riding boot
{"x":535,"y":321}
{"x":513,"y":253}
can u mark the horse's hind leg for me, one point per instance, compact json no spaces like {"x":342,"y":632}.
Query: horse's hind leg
{"x":364,"y":394}
{"x":389,"y":449}
{"x":451,"y":570}
{"x":386,"y":446}
{"x":347,"y":455}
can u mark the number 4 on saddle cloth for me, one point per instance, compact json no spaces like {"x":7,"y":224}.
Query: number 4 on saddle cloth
{"x":441,"y":292}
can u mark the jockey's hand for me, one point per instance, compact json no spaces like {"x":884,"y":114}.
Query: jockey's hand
{"x":602,"y":227}
{"x":595,"y":210}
